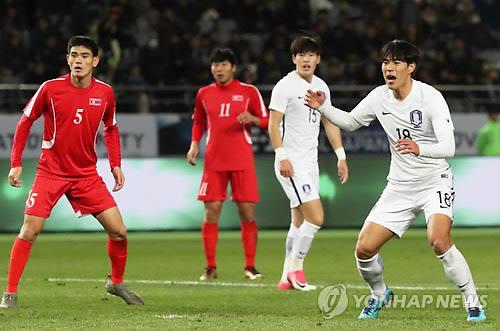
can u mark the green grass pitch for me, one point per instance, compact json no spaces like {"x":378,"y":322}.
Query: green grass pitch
{"x":67,"y":304}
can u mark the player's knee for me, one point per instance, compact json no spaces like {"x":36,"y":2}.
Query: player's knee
{"x":118,"y":234}
{"x":28,"y":234}
{"x":213,"y":212}
{"x":365,"y":252}
{"x":440,"y":245}
{"x":247,"y":215}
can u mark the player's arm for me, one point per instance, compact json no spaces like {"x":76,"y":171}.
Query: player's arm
{"x":341,"y":119}
{"x":33,"y":110}
{"x":199,"y":126}
{"x":443,"y":130}
{"x":112,"y":141}
{"x":275,"y":118}
{"x":256,"y":112}
{"x":335,"y":139}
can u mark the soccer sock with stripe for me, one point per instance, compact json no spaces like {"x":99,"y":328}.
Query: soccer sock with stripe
{"x":249,"y":239}
{"x":371,"y":270}
{"x":18,"y":258}
{"x":118,"y":252}
{"x":290,"y":238}
{"x":302,"y":244}
{"x":209,"y":235}
{"x":458,"y":272}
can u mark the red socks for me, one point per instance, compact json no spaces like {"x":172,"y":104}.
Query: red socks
{"x":209,"y":235}
{"x":18,"y":257}
{"x":249,"y":239}
{"x":117,"y":251}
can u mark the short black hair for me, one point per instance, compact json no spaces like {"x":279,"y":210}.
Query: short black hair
{"x":401,"y":50}
{"x":85,"y":42}
{"x":223,"y":54}
{"x":305,"y":44}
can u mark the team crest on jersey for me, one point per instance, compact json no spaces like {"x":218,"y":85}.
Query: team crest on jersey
{"x":416,"y":118}
{"x":95,"y":102}
{"x":306,"y":188}
{"x":237,"y":97}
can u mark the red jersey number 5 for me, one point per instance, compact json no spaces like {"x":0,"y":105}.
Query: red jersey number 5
{"x":78,"y":116}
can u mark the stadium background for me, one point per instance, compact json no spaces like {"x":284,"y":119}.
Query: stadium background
{"x":156,"y":55}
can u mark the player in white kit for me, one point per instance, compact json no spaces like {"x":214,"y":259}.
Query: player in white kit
{"x":418,"y":125}
{"x":294,"y":130}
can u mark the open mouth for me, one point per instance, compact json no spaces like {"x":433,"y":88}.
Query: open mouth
{"x":77,"y":68}
{"x":390,"y":78}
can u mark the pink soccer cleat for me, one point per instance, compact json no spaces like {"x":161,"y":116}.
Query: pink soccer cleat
{"x":284,"y":286}
{"x":298,"y":281}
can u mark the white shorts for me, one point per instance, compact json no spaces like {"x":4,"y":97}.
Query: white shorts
{"x":400,"y":203}
{"x":303,"y":186}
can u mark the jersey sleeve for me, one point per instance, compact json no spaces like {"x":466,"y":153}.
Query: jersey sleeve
{"x":199,"y":118}
{"x":38,"y":104}
{"x":441,"y":118}
{"x":279,"y":98}
{"x":111,"y":134}
{"x":23,"y":129}
{"x":363,"y":112}
{"x":257,"y":107}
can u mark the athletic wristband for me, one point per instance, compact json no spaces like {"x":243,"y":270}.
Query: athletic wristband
{"x":323,"y":107}
{"x":280,"y":154}
{"x":340,"y":153}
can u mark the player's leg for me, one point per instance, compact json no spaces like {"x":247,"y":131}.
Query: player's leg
{"x":245,"y":193}
{"x":313,"y":216}
{"x":391,"y":216}
{"x":19,"y":255}
{"x":91,"y":197}
{"x":112,"y":222}
{"x":44,"y":194}
{"x":369,"y":263}
{"x":249,"y":237}
{"x":371,"y":239}
{"x":212,"y":192}
{"x":296,"y":221}
{"x":455,"y":266}
{"x":210,"y":235}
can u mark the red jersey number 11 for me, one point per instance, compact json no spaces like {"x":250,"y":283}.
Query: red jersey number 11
{"x":224,"y":109}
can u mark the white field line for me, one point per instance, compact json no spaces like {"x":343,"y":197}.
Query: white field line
{"x":241,"y":284}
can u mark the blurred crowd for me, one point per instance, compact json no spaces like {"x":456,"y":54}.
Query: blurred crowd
{"x":169,"y":42}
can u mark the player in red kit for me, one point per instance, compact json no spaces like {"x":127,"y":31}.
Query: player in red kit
{"x":72,"y":107}
{"x":227,"y":109}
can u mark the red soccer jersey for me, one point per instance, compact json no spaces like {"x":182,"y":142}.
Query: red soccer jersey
{"x":72,"y":117}
{"x":229,"y":143}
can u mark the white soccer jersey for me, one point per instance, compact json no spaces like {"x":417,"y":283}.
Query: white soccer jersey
{"x":416,"y":117}
{"x":300,"y":125}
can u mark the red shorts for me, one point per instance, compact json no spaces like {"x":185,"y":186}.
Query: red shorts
{"x":244,"y":188}
{"x":86,"y":196}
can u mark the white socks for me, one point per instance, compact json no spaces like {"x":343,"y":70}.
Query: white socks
{"x":302,"y":243}
{"x":290,"y":238}
{"x":371,"y":271}
{"x":458,"y":272}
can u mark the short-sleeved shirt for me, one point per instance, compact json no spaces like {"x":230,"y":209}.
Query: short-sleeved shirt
{"x":416,"y":118}
{"x":72,"y":117}
{"x":300,"y":125}
{"x":229,"y":143}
